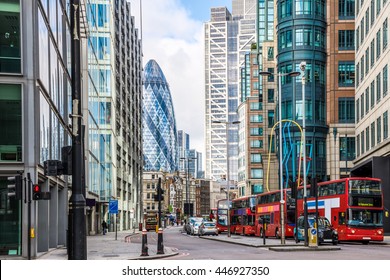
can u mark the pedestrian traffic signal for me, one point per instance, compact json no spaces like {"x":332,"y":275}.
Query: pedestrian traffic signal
{"x":15,"y":187}
{"x":37,"y":193}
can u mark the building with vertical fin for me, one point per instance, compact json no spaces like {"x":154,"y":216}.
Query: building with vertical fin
{"x":128,"y":117}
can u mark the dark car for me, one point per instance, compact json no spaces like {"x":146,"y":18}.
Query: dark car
{"x":326,"y":233}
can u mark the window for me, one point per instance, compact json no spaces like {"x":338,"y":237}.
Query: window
{"x":362,"y":106}
{"x":367,"y":138}
{"x":11,"y":123}
{"x":367,"y":100}
{"x":256,"y":173}
{"x":378,"y":6}
{"x":303,"y":37}
{"x":385,"y":79}
{"x":256,"y":158}
{"x":362,"y":30}
{"x":372,"y":89}
{"x":367,"y":20}
{"x":270,"y":53}
{"x":385,"y":125}
{"x":257,"y":189}
{"x":346,"y":110}
{"x":256,"y":131}
{"x":346,"y":40}
{"x":285,"y":8}
{"x":372,"y":7}
{"x":303,"y":7}
{"x":378,"y":44}
{"x":372,"y":134}
{"x":319,"y":7}
{"x":357,"y":145}
{"x":10,"y":53}
{"x":285,"y":39}
{"x":385,"y":30}
{"x":271,"y":78}
{"x":362,"y":142}
{"x":271,"y":118}
{"x":256,"y":118}
{"x":347,"y":148}
{"x":378,"y":130}
{"x":271,"y":95}
{"x":378,"y":88}
{"x":256,"y":143}
{"x":346,"y":74}
{"x":357,"y":110}
{"x":367,"y":60}
{"x":346,"y":9}
{"x":362,"y":68}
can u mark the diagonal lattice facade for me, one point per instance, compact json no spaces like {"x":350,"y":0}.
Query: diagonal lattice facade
{"x":159,"y":123}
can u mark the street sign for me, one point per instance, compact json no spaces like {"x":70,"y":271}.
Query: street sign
{"x":113,"y":207}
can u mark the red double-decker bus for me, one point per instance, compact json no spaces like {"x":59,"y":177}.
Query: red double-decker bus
{"x":222,"y":215}
{"x":242,"y":215}
{"x":353,"y":205}
{"x":268,"y":213}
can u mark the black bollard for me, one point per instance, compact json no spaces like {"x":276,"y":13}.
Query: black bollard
{"x":160,"y":246}
{"x":144,"y":243}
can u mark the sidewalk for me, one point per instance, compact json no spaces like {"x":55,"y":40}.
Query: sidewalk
{"x":274,"y":244}
{"x":105,"y":247}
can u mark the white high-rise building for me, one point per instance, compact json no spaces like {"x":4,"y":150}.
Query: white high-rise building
{"x":227,"y":38}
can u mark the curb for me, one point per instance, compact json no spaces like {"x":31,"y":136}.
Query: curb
{"x":302,"y":248}
{"x":251,"y":245}
{"x":154,"y":257}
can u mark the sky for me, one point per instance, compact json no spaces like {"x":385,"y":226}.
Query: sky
{"x":172,"y":34}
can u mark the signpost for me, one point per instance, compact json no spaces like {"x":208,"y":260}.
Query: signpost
{"x":113,"y":209}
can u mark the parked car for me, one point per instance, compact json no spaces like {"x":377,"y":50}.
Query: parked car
{"x":325,"y":232}
{"x":195,"y":228}
{"x":191,"y":220}
{"x":208,"y":228}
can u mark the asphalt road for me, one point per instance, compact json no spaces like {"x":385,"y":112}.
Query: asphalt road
{"x":195,"y":248}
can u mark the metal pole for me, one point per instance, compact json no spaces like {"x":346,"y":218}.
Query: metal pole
{"x":304,"y":155}
{"x":227,"y":177}
{"x":77,"y":199}
{"x":283,"y":241}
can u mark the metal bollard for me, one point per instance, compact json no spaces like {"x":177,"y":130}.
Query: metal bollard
{"x":144,"y":243}
{"x":160,"y":246}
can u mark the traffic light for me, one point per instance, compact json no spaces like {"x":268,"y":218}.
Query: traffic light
{"x":160,"y":194}
{"x":15,"y":187}
{"x":37,"y":193}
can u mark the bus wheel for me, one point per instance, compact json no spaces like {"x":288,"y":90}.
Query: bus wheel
{"x":277,"y":233}
{"x":243,"y":231}
{"x":365,"y":242}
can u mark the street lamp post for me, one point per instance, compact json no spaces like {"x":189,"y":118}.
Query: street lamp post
{"x":302,"y":67}
{"x":282,"y":201}
{"x":187,"y":179}
{"x":227,"y":169}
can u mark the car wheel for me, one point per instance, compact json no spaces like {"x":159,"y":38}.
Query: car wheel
{"x":296,"y":238}
{"x":334,"y":242}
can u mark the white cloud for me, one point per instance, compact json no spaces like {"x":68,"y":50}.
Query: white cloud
{"x":175,"y":41}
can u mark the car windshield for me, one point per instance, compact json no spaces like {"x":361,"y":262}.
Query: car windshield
{"x":197,"y":224}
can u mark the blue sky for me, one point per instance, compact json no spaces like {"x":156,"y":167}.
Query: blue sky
{"x":200,"y":9}
{"x":172,"y":33}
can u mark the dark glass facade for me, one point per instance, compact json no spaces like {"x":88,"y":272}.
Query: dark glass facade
{"x":301,"y":33}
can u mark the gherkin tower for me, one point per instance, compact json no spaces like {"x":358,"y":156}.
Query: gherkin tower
{"x":159,"y":123}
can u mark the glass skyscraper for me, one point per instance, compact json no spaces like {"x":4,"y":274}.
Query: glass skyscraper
{"x":159,"y":123}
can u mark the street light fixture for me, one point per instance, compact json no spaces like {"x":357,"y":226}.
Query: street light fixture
{"x":280,"y":75}
{"x":187,"y":179}
{"x":227,"y":168}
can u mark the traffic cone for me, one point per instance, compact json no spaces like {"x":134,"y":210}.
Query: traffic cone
{"x":144,"y":243}
{"x":160,"y":245}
